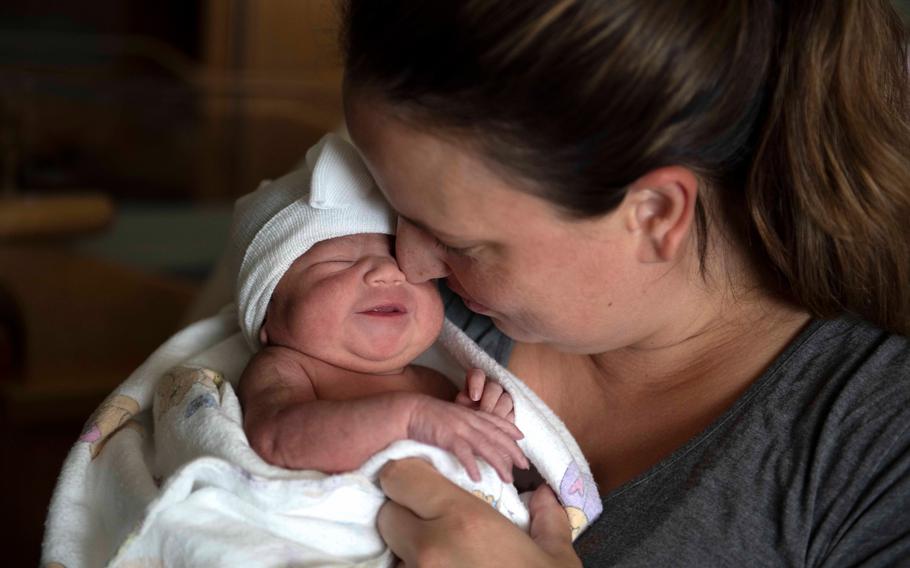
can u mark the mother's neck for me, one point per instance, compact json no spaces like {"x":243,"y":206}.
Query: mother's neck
{"x":723,"y":348}
{"x":719,"y":331}
{"x":630,"y":408}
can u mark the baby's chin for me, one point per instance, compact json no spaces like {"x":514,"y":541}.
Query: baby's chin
{"x":371,"y":365}
{"x":389,"y":351}
{"x":378,"y":359}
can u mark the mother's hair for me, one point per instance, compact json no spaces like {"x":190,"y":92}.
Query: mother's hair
{"x":794,"y":113}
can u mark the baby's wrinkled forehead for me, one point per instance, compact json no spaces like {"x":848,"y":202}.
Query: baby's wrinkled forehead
{"x":357,"y":245}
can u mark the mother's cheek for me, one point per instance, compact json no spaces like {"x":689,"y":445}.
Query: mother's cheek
{"x":482,"y":284}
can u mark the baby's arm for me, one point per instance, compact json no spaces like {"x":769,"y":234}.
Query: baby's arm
{"x":486,"y":396}
{"x":288,"y":426}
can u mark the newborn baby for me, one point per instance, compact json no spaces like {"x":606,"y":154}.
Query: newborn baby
{"x":333,"y":384}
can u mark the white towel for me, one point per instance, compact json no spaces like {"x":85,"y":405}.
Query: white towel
{"x":163,"y":474}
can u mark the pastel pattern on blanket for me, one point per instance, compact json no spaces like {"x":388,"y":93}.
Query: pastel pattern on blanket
{"x":114,"y":413}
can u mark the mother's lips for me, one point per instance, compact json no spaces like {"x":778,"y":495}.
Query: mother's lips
{"x":455,"y":286}
{"x":477,"y":308}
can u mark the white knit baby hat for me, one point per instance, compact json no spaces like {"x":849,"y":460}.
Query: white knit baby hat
{"x":332,"y":196}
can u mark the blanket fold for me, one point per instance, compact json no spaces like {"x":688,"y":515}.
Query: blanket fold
{"x":163,"y":474}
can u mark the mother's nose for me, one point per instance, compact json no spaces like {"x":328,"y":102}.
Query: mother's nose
{"x":418,"y":253}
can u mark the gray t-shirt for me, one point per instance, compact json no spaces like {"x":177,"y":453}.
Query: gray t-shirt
{"x":810,"y":467}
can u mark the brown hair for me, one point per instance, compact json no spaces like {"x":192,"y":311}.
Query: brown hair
{"x":793,"y":112}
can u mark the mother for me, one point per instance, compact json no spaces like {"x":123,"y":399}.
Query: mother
{"x":691,"y":217}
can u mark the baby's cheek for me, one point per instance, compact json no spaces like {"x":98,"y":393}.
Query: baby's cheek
{"x":430,"y":315}
{"x":318,"y":324}
{"x":433,"y":303}
{"x":306,"y":325}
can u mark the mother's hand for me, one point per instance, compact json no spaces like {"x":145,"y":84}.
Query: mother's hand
{"x":429,"y":521}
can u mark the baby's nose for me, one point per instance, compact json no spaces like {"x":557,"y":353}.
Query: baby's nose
{"x":384,"y":270}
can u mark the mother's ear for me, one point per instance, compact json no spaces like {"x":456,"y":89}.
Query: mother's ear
{"x":659,"y":210}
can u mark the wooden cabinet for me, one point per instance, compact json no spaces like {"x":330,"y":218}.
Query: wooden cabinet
{"x":270,"y":83}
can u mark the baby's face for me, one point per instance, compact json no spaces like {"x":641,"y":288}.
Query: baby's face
{"x":347,"y":303}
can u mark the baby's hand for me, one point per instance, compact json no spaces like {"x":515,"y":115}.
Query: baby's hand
{"x":486,"y":396}
{"x":468,"y":434}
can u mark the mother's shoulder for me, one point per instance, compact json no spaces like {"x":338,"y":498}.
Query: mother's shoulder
{"x":845,"y":376}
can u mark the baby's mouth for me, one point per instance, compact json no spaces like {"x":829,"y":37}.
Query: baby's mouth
{"x":386,"y":310}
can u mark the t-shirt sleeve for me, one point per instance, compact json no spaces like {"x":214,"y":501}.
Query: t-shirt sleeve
{"x":876,"y":531}
{"x":859,"y":481}
{"x":478,"y":327}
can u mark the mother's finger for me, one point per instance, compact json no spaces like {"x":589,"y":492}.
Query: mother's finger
{"x":399,"y":528}
{"x":416,"y":485}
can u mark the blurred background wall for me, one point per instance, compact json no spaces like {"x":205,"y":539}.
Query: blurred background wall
{"x":127,"y":129}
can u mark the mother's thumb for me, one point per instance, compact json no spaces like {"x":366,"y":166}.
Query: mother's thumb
{"x":550,"y":527}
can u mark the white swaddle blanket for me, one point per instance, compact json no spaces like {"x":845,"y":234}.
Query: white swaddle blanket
{"x":163,"y":474}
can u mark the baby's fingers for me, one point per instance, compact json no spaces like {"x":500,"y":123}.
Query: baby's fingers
{"x":504,"y":407}
{"x":498,"y":454}
{"x":462,"y":399}
{"x":492,"y":391}
{"x":505,"y":444}
{"x":465,"y":454}
{"x":474,"y":383}
{"x":503,"y":424}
